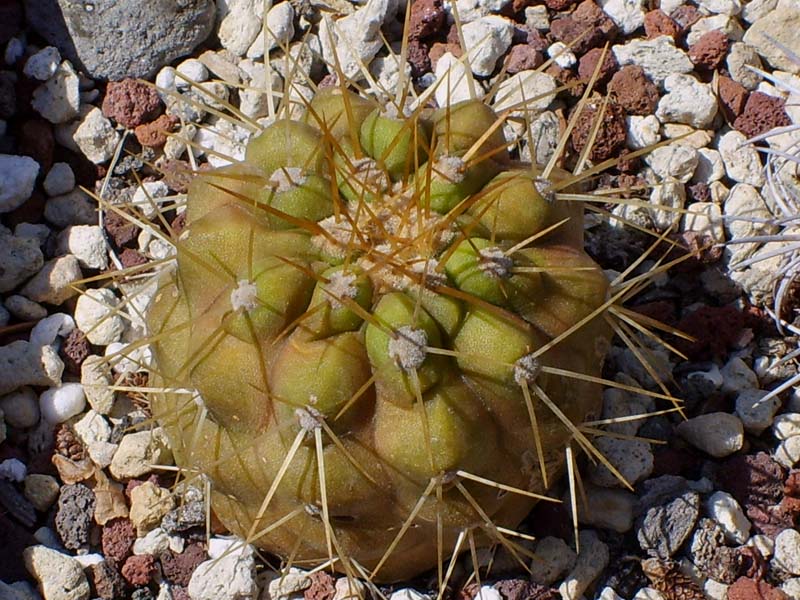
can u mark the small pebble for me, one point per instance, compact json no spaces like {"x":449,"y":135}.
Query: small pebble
{"x":25,"y":309}
{"x":43,"y":65}
{"x":13,"y":469}
{"x":95,"y":315}
{"x":60,"y":576}
{"x":60,"y":403}
{"x":787,"y":551}
{"x":592,"y":559}
{"x":21,"y":408}
{"x":755,"y":412}
{"x":718,"y":434}
{"x":725,"y":510}
{"x":41,"y":490}
{"x":139,"y":452}
{"x":552,"y":559}
{"x":227,"y":578}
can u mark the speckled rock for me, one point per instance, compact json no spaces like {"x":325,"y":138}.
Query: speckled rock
{"x":664,"y":528}
{"x":632,"y":90}
{"x":762,"y":113}
{"x":75,"y":515}
{"x":60,"y":577}
{"x":718,"y":434}
{"x":130,"y":102}
{"x":156,"y":32}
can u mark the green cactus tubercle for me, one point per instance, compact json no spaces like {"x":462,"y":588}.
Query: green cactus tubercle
{"x":372,"y":308}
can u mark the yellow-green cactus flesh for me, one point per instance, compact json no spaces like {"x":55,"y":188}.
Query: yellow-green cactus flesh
{"x":352,"y":325}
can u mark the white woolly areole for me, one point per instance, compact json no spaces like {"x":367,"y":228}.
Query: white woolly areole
{"x":408,"y":348}
{"x":286,"y":178}
{"x":451,"y":168}
{"x":244,"y":295}
{"x":371,"y":176}
{"x":527,"y":369}
{"x":309,"y":418}
{"x":495,"y":263}
{"x":340,"y":285}
{"x":428,"y":268}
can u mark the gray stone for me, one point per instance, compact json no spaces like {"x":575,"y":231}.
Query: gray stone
{"x":24,"y":309}
{"x":155,"y":32}
{"x":60,"y":576}
{"x":19,"y":259}
{"x":17,"y":178}
{"x":58,"y":99}
{"x":664,"y":528}
{"x":74,"y":208}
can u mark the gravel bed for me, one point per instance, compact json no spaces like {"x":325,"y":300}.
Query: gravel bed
{"x":88,"y":506}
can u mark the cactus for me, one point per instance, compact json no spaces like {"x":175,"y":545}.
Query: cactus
{"x":379,"y":337}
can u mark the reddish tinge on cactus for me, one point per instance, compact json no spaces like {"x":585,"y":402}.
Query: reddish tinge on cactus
{"x":379,"y":337}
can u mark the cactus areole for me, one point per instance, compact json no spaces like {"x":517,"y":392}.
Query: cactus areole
{"x":379,"y":337}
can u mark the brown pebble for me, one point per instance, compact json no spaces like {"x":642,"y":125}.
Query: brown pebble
{"x":438,"y":50}
{"x":131,"y":258}
{"x":138,"y":570}
{"x":130,"y":102}
{"x":753,"y":479}
{"x":74,"y":351}
{"x":699,"y":192}
{"x":121,"y":231}
{"x":565,"y":77}
{"x":117,"y":539}
{"x":732,"y":97}
{"x":522,"y":57}
{"x":633,"y":91}
{"x":580,"y":37}
{"x":710,"y":50}
{"x":588,"y":64}
{"x":750,"y":589}
{"x":559,"y":4}
{"x":154,"y":134}
{"x":762,"y":113}
{"x":178,"y":568}
{"x":107,"y":581}
{"x":685,"y":16}
{"x":791,"y":486}
{"x":322,"y":587}
{"x":657,"y":23}
{"x":589,"y":14}
{"x":418,"y":57}
{"x":610,"y":137}
{"x":427,"y":18}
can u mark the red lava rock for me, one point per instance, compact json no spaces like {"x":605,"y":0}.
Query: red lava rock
{"x":559,"y":4}
{"x":715,"y":329}
{"x":791,"y":486}
{"x":750,"y":589}
{"x":130,"y":102}
{"x":633,"y":91}
{"x":710,"y":50}
{"x":751,"y":563}
{"x":74,"y":351}
{"x":178,"y":568}
{"x":628,"y":165}
{"x":117,"y":539}
{"x":177,"y":174}
{"x":107,"y":581}
{"x":732,"y":97}
{"x":568,"y":30}
{"x":322,"y":587}
{"x":657,"y":23}
{"x":536,"y":40}
{"x":686,"y":15}
{"x":565,"y":77}
{"x":520,"y":589}
{"x":154,"y":134}
{"x":588,"y":64}
{"x":138,"y":570}
{"x":178,"y":224}
{"x":589,"y":14}
{"x":180,"y":593}
{"x":427,"y":18}
{"x":438,"y":50}
{"x":36,"y":140}
{"x":521,"y":58}
{"x":762,"y":113}
{"x":770,"y":520}
{"x":754,"y":479}
{"x":132,"y":258}
{"x":610,"y":136}
{"x":418,"y":57}
{"x":121,"y":231}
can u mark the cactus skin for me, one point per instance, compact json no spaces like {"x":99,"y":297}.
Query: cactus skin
{"x":310,"y":281}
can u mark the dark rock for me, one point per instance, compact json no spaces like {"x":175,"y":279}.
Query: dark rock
{"x":633,"y":91}
{"x":686,"y":15}
{"x":178,"y":568}
{"x":588,"y":64}
{"x":107,"y":581}
{"x":667,"y":578}
{"x":732,"y":97}
{"x":710,"y":50}
{"x":36,"y":140}
{"x":609,"y":138}
{"x":520,"y":589}
{"x":762,"y":113}
{"x":14,"y":538}
{"x":89,"y":34}
{"x":580,"y":37}
{"x":132,"y":258}
{"x":75,"y":515}
{"x":131,"y":103}
{"x":16,"y":505}
{"x":8,"y":95}
{"x":10,"y":20}
{"x":74,"y":351}
{"x":665,"y":528}
{"x":418,"y":58}
{"x":754,"y":479}
{"x":427,"y":18}
{"x":121,"y":231}
{"x":117,"y":539}
{"x":188,"y":515}
{"x":657,"y":23}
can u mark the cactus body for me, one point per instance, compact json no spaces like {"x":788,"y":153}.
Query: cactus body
{"x":366,"y":311}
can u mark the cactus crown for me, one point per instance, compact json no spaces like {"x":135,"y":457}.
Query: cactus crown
{"x":395,"y":332}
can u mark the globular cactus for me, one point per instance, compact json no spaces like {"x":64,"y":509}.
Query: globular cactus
{"x":392,"y":330}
